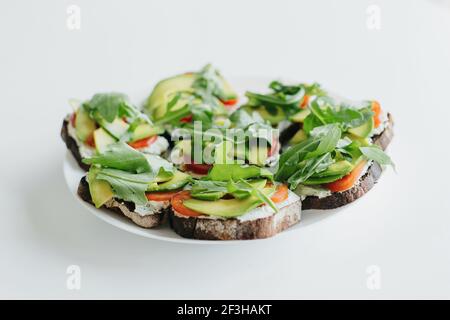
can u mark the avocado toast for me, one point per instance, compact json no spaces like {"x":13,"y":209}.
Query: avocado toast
{"x":234,"y":202}
{"x":106,"y":119}
{"x":337,"y":154}
{"x":134,"y":184}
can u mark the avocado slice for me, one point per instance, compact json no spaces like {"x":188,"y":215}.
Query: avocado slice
{"x":179,"y":180}
{"x":145,"y":130}
{"x":102,"y":140}
{"x":161,"y":95}
{"x":101,"y":192}
{"x":274,"y":119}
{"x":300,"y":116}
{"x":84,"y":125}
{"x":298,"y":137}
{"x":364,"y":130}
{"x":117,"y":128}
{"x":227,"y":208}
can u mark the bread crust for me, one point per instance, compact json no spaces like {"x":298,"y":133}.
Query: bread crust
{"x":206,"y":228}
{"x":367,"y":181}
{"x":125,"y":208}
{"x":72,"y":145}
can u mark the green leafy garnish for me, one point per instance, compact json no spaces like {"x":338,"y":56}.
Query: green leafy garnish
{"x":121,"y":156}
{"x":376,"y":154}
{"x":127,"y":186}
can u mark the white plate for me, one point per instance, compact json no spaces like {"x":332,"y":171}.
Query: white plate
{"x":73,"y":173}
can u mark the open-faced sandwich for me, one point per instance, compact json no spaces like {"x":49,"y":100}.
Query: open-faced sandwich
{"x":106,"y":119}
{"x":132,"y":183}
{"x":234,"y":202}
{"x":337,"y":154}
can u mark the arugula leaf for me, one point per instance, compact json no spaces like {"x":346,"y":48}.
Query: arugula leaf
{"x":308,"y":168}
{"x":290,"y":159}
{"x":106,"y":105}
{"x":323,"y":112}
{"x":259,"y":194}
{"x":329,"y":136}
{"x":127,"y":186}
{"x":121,"y":156}
{"x":376,"y":154}
{"x":208,"y":190}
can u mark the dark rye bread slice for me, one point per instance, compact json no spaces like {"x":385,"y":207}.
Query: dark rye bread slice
{"x":205,"y":228}
{"x":72,"y":145}
{"x":366,"y":182}
{"x":124,"y":207}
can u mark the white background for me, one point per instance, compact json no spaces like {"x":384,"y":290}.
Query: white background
{"x":401,"y":226}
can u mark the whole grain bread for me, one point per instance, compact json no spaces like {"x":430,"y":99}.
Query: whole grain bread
{"x":366,"y":182}
{"x":72,"y":145}
{"x":124,"y":207}
{"x":206,"y":228}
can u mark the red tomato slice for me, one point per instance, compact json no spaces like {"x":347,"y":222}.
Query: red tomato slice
{"x":280,"y":194}
{"x":304,"y":102}
{"x":178,"y":206}
{"x":230,"y":102}
{"x":186,"y":119}
{"x":376,"y":108}
{"x":143,"y":143}
{"x":347,"y":181}
{"x":198,"y":168}
{"x":161,"y":196}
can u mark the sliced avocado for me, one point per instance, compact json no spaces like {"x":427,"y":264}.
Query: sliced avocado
{"x":179,"y":180}
{"x":298,"y":137}
{"x":338,"y":168}
{"x":102,"y":139}
{"x":156,"y":105}
{"x":84,"y":125}
{"x":101,"y":191}
{"x":145,"y":130}
{"x":274,"y":119}
{"x":364,"y":130}
{"x":300,"y":116}
{"x":363,"y":142}
{"x":257,"y":155}
{"x":226,"y":208}
{"x":322,"y":180}
{"x":117,"y":128}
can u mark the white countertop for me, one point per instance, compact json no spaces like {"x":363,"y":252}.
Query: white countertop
{"x":397,"y":234}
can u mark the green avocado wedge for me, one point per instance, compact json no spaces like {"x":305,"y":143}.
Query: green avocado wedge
{"x":364,"y":130}
{"x":84,"y":125}
{"x":227,"y":208}
{"x":156,"y":105}
{"x":179,"y":180}
{"x":101,"y":191}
